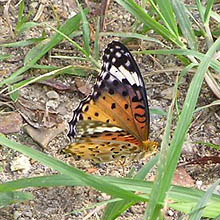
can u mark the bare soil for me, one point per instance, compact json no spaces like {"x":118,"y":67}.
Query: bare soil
{"x":160,"y":74}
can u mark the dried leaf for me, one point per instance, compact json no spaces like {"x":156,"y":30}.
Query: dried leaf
{"x":44,"y":135}
{"x":36,"y":114}
{"x":10,"y":123}
{"x":83,"y":87}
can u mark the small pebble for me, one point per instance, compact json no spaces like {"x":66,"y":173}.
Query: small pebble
{"x":52,"y":95}
{"x":21,"y":163}
{"x":217,"y":190}
{"x":170,"y":213}
{"x":199,"y":184}
{"x":52,"y":104}
{"x":17,"y":214}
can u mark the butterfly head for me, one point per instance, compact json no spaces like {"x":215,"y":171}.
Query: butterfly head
{"x":150,"y":146}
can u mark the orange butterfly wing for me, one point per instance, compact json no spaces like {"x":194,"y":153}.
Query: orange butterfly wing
{"x":117,"y":103}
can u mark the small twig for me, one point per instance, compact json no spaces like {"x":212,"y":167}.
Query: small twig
{"x":93,"y":212}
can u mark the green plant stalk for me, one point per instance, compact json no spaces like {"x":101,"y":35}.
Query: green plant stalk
{"x":73,"y":22}
{"x":72,"y":172}
{"x":79,"y":48}
{"x":86,"y":30}
{"x":163,"y":183}
{"x":141,"y":14}
{"x":164,"y":147}
{"x":185,"y":23}
{"x":199,"y":208}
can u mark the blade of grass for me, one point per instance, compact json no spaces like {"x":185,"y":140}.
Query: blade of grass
{"x":185,"y":24}
{"x":215,"y":146}
{"x":176,"y":193}
{"x":199,"y":8}
{"x":23,"y":43}
{"x":217,"y":102}
{"x":155,"y":111}
{"x":142,"y":173}
{"x":98,"y":204}
{"x":27,"y":25}
{"x":167,"y":15}
{"x":89,"y":56}
{"x":72,"y":70}
{"x":207,"y":14}
{"x":72,"y":172}
{"x":142,"y":16}
{"x":203,"y":202}
{"x":114,"y":210}
{"x":20,"y":14}
{"x":38,"y":78}
{"x":69,"y":58}
{"x":166,"y":170}
{"x":45,"y":76}
{"x":208,"y":10}
{"x":210,"y":212}
{"x":96,"y":44}
{"x":214,"y":64}
{"x":86,"y":30}
{"x":5,"y":56}
{"x":133,"y":35}
{"x":8,"y":198}
{"x":163,"y":155}
{"x":70,"y":26}
{"x":181,"y":198}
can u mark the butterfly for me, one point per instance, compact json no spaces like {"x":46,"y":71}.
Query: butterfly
{"x":113,"y":121}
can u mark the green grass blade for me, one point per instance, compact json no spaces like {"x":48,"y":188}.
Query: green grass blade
{"x":27,"y":25}
{"x":183,"y":52}
{"x":162,"y":184}
{"x":8,"y":198}
{"x":72,"y":172}
{"x":133,"y":35}
{"x":23,"y":43}
{"x":96,"y":44}
{"x":185,"y":24}
{"x":142,"y":16}
{"x":201,"y":11}
{"x":70,"y":26}
{"x":208,"y":11}
{"x":20,"y":15}
{"x":156,"y":111}
{"x":215,"y":146}
{"x":89,"y":56}
{"x":5,"y":56}
{"x":182,"y":198}
{"x":141,"y":174}
{"x":167,"y":15}
{"x":217,"y":102}
{"x":203,"y":202}
{"x":210,"y":212}
{"x":38,"y":78}
{"x":164,"y":153}
{"x":86,"y":31}
{"x":114,"y":210}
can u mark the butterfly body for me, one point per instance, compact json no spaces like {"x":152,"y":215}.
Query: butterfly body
{"x":113,"y":121}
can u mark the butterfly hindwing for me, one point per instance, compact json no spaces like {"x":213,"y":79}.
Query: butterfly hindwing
{"x":103,"y":142}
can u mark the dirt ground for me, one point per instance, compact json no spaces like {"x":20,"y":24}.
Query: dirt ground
{"x":160,"y":74}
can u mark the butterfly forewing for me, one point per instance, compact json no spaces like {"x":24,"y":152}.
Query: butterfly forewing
{"x":119,"y":95}
{"x":115,"y":117}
